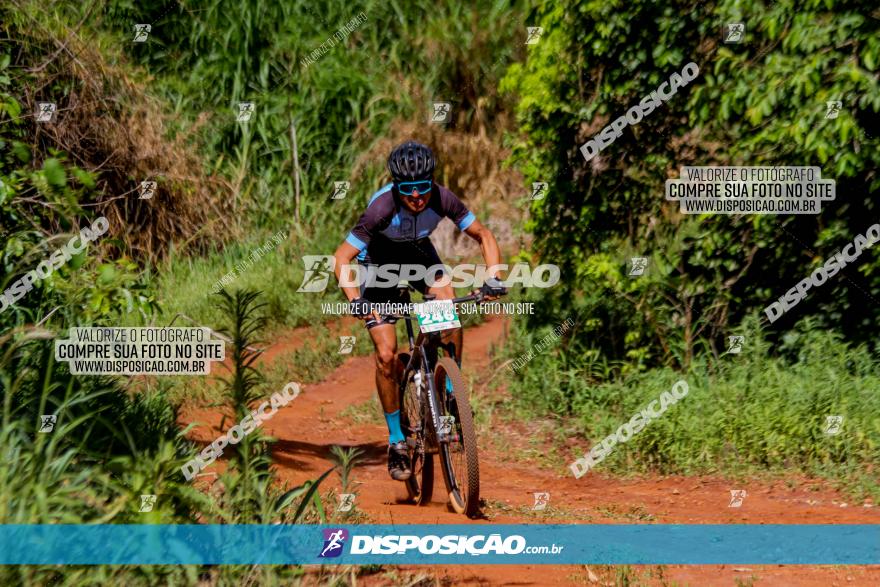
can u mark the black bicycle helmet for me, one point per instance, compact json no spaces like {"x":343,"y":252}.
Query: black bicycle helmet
{"x":411,"y":161}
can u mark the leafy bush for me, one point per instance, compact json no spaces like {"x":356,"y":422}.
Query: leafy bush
{"x":761,"y":102}
{"x":744,"y":412}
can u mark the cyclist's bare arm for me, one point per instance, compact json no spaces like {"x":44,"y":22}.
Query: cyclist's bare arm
{"x":344,"y":255}
{"x":488,"y":245}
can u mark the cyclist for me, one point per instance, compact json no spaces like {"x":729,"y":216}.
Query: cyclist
{"x":394,"y":229}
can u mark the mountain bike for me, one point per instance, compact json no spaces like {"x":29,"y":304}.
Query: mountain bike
{"x":436,"y":415}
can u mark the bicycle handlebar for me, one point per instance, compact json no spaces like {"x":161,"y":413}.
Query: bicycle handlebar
{"x":477,"y":297}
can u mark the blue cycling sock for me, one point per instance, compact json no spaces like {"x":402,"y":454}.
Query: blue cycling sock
{"x":395,"y":434}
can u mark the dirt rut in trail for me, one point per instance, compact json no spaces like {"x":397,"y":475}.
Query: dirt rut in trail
{"x":314,"y":422}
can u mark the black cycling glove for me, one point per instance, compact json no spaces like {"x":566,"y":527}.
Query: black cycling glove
{"x":493,"y":287}
{"x":360,"y":307}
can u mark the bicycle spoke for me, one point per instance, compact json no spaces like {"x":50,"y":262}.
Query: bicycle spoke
{"x":420,"y":484}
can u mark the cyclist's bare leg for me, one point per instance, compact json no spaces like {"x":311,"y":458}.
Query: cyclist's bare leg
{"x":387,"y":369}
{"x":455,"y":335}
{"x":387,"y":373}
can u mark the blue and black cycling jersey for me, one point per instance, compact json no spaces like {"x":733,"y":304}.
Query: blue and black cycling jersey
{"x":386,"y":222}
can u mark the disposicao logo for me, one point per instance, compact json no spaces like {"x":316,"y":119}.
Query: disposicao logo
{"x":334,"y":540}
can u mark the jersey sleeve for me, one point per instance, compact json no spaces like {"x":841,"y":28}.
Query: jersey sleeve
{"x":454,"y":209}
{"x":375,"y":218}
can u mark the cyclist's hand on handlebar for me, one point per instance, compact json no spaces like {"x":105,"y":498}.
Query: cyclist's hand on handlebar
{"x":361,"y":308}
{"x":492,"y":289}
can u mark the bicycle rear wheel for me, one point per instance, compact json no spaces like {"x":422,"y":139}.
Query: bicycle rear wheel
{"x":458,"y":456}
{"x":420,"y":485}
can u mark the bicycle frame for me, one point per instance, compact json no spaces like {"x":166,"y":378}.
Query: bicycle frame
{"x":423,"y":352}
{"x":453,"y":439}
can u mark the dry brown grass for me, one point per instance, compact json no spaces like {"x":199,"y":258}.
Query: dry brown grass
{"x":470,"y":164}
{"x":108,"y":123}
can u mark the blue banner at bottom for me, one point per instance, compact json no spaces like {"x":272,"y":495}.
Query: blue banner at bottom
{"x":633,"y":544}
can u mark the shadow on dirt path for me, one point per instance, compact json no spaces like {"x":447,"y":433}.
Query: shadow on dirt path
{"x":341,"y":410}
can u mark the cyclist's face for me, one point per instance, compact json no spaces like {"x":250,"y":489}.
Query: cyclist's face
{"x":416,"y":201}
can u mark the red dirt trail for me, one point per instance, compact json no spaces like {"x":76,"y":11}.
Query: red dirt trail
{"x":308,"y":427}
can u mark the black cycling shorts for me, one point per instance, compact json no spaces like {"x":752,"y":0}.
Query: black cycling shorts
{"x":383,"y":251}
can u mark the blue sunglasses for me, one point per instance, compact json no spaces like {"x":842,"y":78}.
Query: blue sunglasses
{"x":408,"y":187}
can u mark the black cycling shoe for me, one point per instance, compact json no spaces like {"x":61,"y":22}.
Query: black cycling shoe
{"x":398,"y":461}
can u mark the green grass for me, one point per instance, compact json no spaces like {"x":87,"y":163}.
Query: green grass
{"x":108,"y":448}
{"x":493,"y":508}
{"x":318,"y":357}
{"x":118,"y":438}
{"x":634,"y":513}
{"x":312,"y":362}
{"x":627,"y":575}
{"x":368,"y":412}
{"x":186,"y":285}
{"x":743,"y":414}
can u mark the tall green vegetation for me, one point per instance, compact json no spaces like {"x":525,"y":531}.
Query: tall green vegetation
{"x":108,"y":448}
{"x":213,"y":55}
{"x":744,"y":413}
{"x":373,"y":86}
{"x":761,"y":102}
{"x":166,"y":110}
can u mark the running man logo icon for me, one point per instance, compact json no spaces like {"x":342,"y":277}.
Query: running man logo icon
{"x":541,"y":501}
{"x":534,"y":34}
{"x":318,"y":270}
{"x":340,"y":189}
{"x":735,"y":344}
{"x":346,"y":501}
{"x":446,"y":424}
{"x":734,"y":32}
{"x":346,"y":344}
{"x":141,"y":32}
{"x":833,"y":424}
{"x":147,"y":503}
{"x":245,"y":111}
{"x":45,"y":111}
{"x":833,"y":109}
{"x":334,"y":540}
{"x":441,"y":112}
{"x":736,"y":497}
{"x":146,"y":190}
{"x":47,"y":422}
{"x":539,"y":190}
{"x":637,"y":266}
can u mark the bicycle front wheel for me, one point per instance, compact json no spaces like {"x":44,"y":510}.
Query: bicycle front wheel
{"x":420,"y":485}
{"x":458,"y":455}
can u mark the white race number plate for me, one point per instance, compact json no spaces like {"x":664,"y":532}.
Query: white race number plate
{"x":437,"y":315}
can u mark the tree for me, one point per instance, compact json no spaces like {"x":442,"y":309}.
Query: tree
{"x":758,"y":102}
